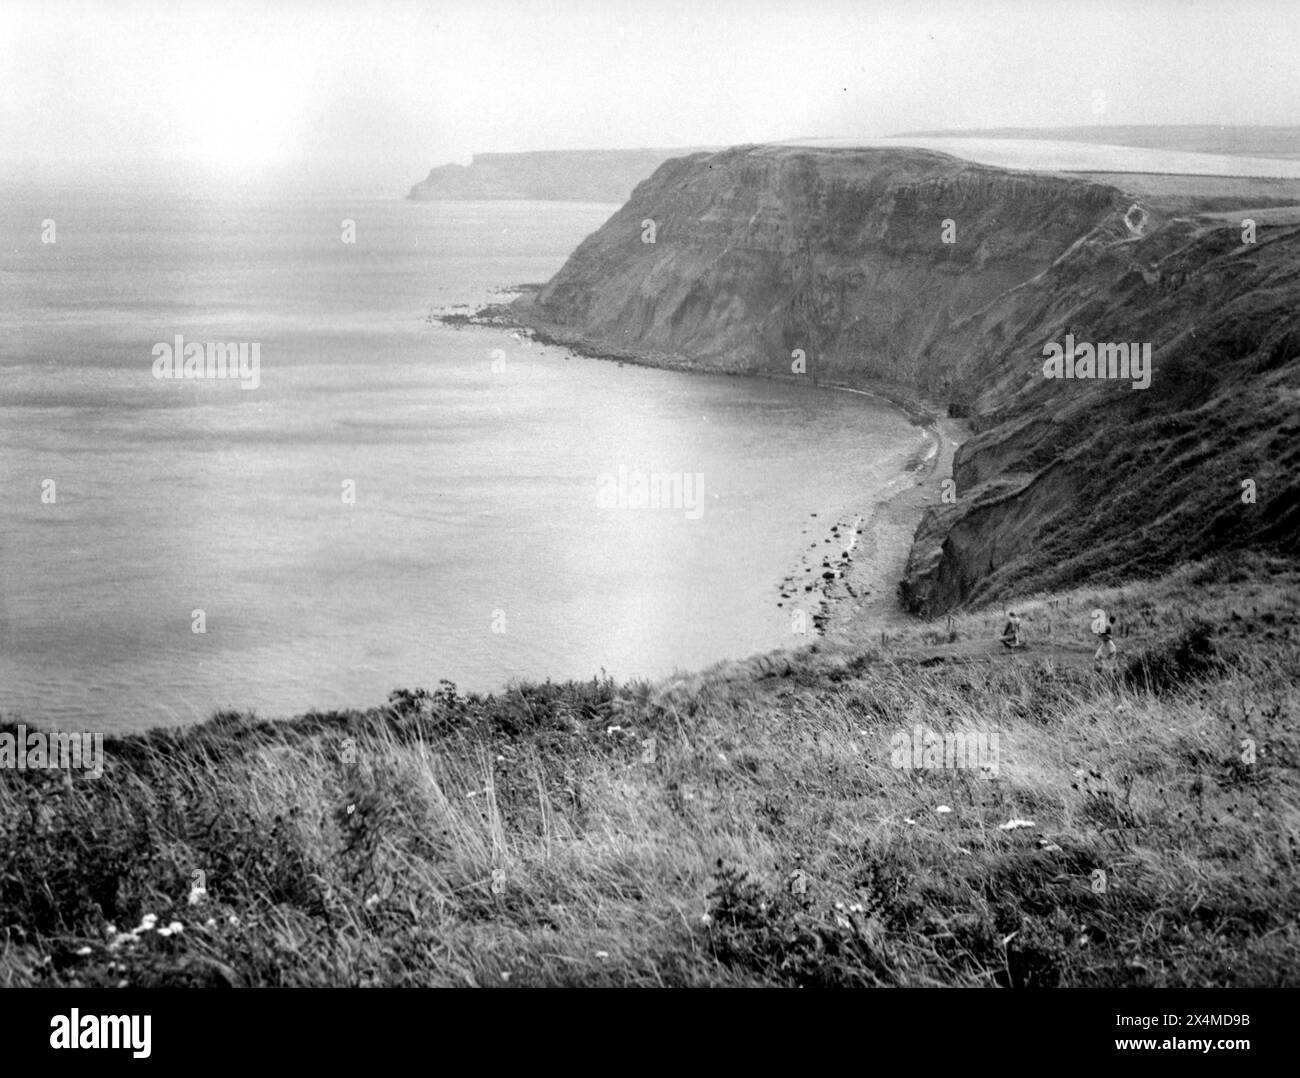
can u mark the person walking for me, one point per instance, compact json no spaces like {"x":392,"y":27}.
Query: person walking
{"x":1011,"y":633}
{"x":1106,"y":643}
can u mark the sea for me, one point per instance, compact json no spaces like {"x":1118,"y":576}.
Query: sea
{"x":390,"y":502}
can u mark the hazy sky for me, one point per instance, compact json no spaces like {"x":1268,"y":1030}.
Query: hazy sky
{"x":379,"y":91}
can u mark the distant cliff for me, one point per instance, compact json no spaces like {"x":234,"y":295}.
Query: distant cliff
{"x":559,"y":176}
{"x":761,"y":251}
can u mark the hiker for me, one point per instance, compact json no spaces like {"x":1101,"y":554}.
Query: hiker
{"x":1106,"y":645}
{"x":1011,"y":634}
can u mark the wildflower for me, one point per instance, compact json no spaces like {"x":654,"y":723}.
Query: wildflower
{"x":147,"y":922}
{"x":857,"y":907}
{"x":908,"y":819}
{"x":83,"y":950}
{"x":942,"y":809}
{"x":602,"y":954}
{"x":234,"y":920}
{"x":197,"y":894}
{"x":1015,"y":825}
{"x":613,"y":729}
{"x":505,"y":976}
{"x":372,"y":902}
{"x":211,"y":922}
{"x":705,"y":919}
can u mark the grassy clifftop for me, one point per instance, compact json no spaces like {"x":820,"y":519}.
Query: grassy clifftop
{"x":746,"y":826}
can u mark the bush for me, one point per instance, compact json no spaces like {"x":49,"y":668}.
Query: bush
{"x":1188,"y":656}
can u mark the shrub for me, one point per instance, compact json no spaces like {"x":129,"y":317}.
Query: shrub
{"x":1188,"y":656}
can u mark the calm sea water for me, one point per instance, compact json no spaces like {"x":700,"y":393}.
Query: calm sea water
{"x":474,"y":547}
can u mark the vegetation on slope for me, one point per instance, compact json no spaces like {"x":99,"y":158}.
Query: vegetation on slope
{"x":745,"y":826}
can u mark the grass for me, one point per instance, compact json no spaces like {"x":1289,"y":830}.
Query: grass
{"x":740,"y":827}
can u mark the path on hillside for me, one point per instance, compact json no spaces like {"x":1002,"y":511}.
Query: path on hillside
{"x":1059,"y":653}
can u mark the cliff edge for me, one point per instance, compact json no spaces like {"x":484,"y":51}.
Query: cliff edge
{"x":909,"y":268}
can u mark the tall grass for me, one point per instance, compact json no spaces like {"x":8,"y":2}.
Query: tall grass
{"x":741,"y":826}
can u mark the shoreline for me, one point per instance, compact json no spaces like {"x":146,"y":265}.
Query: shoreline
{"x":863,"y":595}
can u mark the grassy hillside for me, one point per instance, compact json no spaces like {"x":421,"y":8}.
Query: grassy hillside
{"x":538,"y":837}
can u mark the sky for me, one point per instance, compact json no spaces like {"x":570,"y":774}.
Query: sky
{"x":376,"y":92}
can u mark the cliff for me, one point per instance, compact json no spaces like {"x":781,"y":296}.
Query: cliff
{"x":564,"y":176}
{"x":759,"y":251}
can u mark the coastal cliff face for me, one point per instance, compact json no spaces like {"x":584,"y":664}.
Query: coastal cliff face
{"x":761,"y":251}
{"x":548,"y":176}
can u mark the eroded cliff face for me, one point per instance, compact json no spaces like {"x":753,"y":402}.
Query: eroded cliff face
{"x":1073,"y":481}
{"x":761,"y":251}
